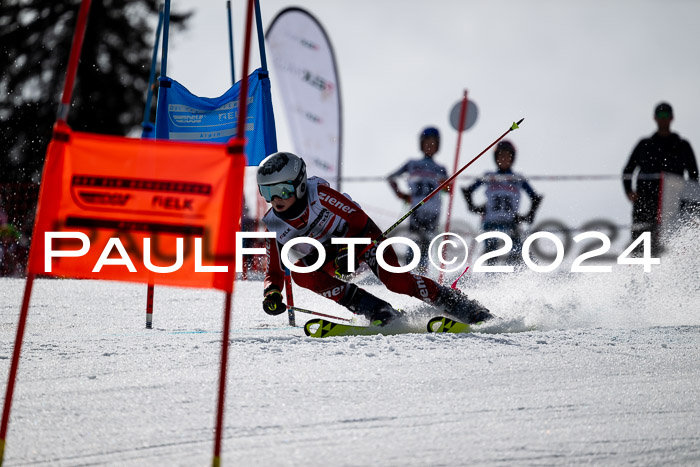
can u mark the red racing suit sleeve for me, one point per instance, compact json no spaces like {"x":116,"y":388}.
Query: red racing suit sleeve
{"x":356,"y":219}
{"x":274,"y":273}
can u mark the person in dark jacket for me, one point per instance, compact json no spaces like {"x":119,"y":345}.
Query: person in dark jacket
{"x":664,"y":151}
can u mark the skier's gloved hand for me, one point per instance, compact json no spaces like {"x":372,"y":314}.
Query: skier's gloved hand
{"x":343,"y":263}
{"x":273,"y":304}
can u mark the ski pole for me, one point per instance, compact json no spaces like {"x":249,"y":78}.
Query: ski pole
{"x":310,"y":312}
{"x":437,"y":190}
{"x":290,"y":297}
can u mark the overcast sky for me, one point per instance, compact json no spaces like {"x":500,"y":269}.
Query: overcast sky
{"x":585,"y":75}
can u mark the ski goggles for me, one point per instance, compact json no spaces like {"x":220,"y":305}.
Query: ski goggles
{"x":284,"y":190}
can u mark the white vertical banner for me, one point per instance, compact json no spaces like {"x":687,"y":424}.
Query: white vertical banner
{"x":672,"y":186}
{"x":306,"y":74}
{"x":679,"y":198}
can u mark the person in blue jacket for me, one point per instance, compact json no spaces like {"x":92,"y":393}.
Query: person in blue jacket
{"x":424,"y":176}
{"x":501,"y":211}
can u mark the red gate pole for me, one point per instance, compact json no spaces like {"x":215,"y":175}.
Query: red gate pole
{"x":462,"y":119}
{"x":72,"y":70}
{"x":15,"y":364}
{"x":222,"y":380}
{"x":238,"y":144}
{"x":61,"y":117}
{"x":149,"y":305}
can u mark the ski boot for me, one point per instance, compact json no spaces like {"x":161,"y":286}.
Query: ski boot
{"x":460,"y":307}
{"x":361,"y":302}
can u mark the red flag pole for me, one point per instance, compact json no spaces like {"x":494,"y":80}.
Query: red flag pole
{"x":222,"y":380}
{"x":72,"y":71}
{"x":61,"y":117}
{"x":150,"y":291}
{"x":15,"y":364}
{"x":460,"y":128}
{"x":236,"y":146}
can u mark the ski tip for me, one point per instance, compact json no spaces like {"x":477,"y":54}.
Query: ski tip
{"x":516,"y":125}
{"x":312,"y":328}
{"x":442,"y":324}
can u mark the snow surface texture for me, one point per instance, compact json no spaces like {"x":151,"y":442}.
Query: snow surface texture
{"x":610,"y":375}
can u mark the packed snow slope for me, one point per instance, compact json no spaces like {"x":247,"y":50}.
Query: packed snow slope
{"x":608,"y":376}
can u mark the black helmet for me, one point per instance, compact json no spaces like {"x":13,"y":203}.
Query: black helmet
{"x":429,"y":132}
{"x":504,"y":145}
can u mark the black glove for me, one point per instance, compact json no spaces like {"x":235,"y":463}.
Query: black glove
{"x":343,"y":262}
{"x":526,"y":219}
{"x":530,"y":216}
{"x":467,"y":192}
{"x":273,"y":304}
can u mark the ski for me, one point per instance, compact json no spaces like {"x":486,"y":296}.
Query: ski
{"x":447,"y":325}
{"x":323,"y":328}
{"x":440,"y":324}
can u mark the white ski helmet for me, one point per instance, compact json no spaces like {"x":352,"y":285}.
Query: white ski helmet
{"x":280,"y":168}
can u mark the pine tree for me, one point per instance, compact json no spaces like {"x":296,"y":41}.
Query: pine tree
{"x":109,"y":96}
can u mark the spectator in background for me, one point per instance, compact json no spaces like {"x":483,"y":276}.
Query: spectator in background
{"x":424,"y":176}
{"x":664,"y":151}
{"x":501,"y":211}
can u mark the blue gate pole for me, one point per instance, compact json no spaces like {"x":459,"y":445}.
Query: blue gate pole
{"x":230,"y":42}
{"x":166,"y":29}
{"x":146,"y":125}
{"x":261,"y":36}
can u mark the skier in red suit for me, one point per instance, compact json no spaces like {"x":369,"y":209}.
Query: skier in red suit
{"x":304,"y":207}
